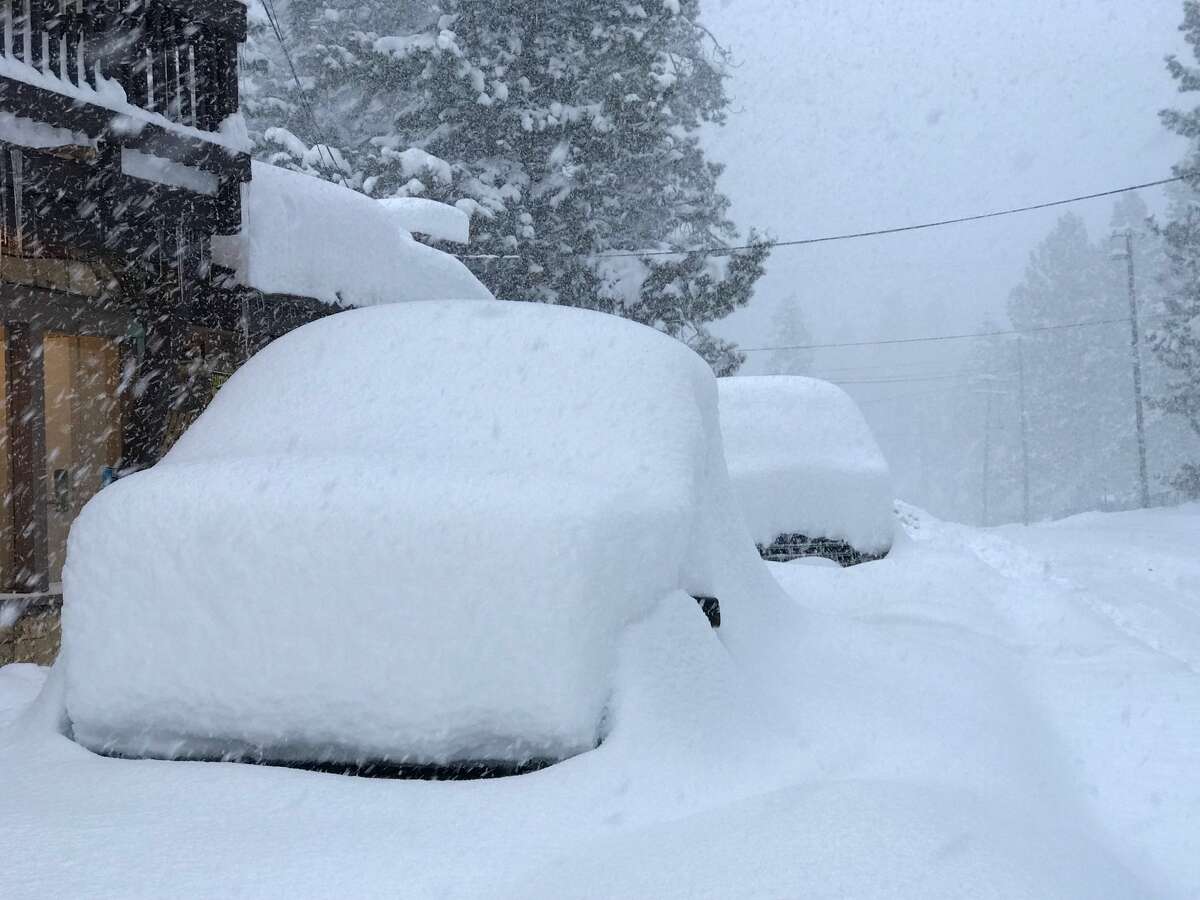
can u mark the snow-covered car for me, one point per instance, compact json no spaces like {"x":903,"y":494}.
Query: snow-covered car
{"x":806,"y":470}
{"x":406,"y":535}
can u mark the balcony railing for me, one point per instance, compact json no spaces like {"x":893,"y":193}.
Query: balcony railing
{"x":177,"y":58}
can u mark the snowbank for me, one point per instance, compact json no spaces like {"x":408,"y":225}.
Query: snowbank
{"x":803,"y":460}
{"x":410,"y":533}
{"x":312,"y":238}
{"x":19,"y":685}
{"x":1002,"y":713}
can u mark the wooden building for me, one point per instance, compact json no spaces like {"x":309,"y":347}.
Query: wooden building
{"x":143,"y":257}
{"x":120,"y":161}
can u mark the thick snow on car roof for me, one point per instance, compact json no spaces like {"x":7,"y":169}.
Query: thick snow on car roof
{"x":469,"y":387}
{"x":413,"y":532}
{"x":803,"y":461}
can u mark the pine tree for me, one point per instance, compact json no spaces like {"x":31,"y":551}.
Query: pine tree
{"x":265,"y":98}
{"x":1078,"y":383}
{"x":569,"y":129}
{"x":790,"y":331}
{"x":323,"y":125}
{"x":1170,"y":440}
{"x":988,"y":418}
{"x":1176,"y":341}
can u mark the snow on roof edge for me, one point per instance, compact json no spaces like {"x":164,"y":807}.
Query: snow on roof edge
{"x":419,"y":215}
{"x":306,"y":237}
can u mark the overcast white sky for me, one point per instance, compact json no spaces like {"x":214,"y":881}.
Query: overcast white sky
{"x":857,"y":115}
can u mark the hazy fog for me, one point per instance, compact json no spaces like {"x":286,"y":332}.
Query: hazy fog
{"x":877,"y":113}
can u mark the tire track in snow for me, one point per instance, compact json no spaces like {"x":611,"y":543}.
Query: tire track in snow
{"x":1022,"y":565}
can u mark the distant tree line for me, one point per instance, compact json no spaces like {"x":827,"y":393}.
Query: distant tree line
{"x":1042,"y":422}
{"x":1052,"y":413}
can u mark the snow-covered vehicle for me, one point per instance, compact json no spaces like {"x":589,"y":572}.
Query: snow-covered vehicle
{"x":406,"y":535}
{"x":806,"y":470}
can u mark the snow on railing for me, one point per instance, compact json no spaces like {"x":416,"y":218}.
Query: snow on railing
{"x":146,"y":55}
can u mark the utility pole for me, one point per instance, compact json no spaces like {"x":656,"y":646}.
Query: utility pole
{"x":1136,"y":358}
{"x":1024,"y":433}
{"x":987,"y":455}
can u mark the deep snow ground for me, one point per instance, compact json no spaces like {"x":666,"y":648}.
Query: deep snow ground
{"x":1003,"y":713}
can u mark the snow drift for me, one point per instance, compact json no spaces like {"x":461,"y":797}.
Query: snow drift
{"x":411,"y":533}
{"x":803,"y":460}
{"x":1001,"y":713}
{"x":311,"y":238}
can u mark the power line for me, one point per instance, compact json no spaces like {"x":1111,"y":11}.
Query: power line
{"x":910,"y":364}
{"x":902,"y":380}
{"x":861,"y":376}
{"x":878,"y":232}
{"x":897,"y":397}
{"x":854,"y":374}
{"x":945,"y":337}
{"x":323,"y":146}
{"x":911,"y":369}
{"x":850,"y":236}
{"x":802,"y":242}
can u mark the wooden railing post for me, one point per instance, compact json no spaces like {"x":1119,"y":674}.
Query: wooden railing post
{"x":21,"y":35}
{"x":37,"y":28}
{"x":54,"y":30}
{"x":6,"y":27}
{"x":73,"y":27}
